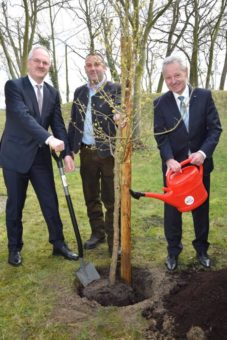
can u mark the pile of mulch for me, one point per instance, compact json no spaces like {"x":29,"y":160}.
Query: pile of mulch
{"x":199,"y":300}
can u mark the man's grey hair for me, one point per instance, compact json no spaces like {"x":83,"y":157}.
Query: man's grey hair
{"x":172,"y":59}
{"x":37,"y":47}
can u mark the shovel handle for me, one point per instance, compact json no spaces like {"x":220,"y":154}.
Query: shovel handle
{"x":59,"y":162}
{"x":57,"y":158}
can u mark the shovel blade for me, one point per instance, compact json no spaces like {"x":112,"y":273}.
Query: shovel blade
{"x":87,"y":274}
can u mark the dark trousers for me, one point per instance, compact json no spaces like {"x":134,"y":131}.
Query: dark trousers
{"x":173,"y":225}
{"x":98,"y":187}
{"x":42,"y":180}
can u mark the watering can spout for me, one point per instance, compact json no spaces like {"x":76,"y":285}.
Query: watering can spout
{"x":136,"y":194}
{"x":163,"y":197}
{"x":167,"y":197}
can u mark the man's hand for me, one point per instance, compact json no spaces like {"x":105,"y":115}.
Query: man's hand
{"x":119,"y":120}
{"x":69,"y":164}
{"x":196,"y":158}
{"x":56,"y":144}
{"x":172,"y":165}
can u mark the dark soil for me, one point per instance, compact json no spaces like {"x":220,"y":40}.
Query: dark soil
{"x":196,"y":308}
{"x":200,"y":299}
{"x":188,"y":305}
{"x":120,"y":294}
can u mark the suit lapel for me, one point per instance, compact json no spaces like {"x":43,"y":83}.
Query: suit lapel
{"x":172,"y":109}
{"x":31,"y":99}
{"x":82,"y":100}
{"x":192,"y":107}
{"x":46,"y":97}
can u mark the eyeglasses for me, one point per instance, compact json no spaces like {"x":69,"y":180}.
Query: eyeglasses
{"x":95,"y":64}
{"x":38,"y":61}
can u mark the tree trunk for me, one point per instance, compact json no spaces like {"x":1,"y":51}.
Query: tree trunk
{"x":195,"y":49}
{"x":224,"y":70}
{"x":126,"y":165}
{"x":66,"y":73}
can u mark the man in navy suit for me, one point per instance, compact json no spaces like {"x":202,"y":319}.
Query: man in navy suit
{"x":186,"y":125}
{"x":32,"y":106}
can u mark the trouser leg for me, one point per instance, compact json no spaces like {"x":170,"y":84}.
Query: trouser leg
{"x":107,"y":195}
{"x":42,"y":179}
{"x":90,"y":175}
{"x":201,"y":221}
{"x":173,"y":229}
{"x":16,"y":185}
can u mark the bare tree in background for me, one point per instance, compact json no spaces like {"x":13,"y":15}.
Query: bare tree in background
{"x":90,"y":13}
{"x":110,"y":34}
{"x":194,"y":27}
{"x":224,"y":70}
{"x":142,"y":17}
{"x":213,"y":29}
{"x":19,"y":33}
{"x":172,"y":34}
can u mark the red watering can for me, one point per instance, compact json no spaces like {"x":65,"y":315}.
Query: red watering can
{"x":185,"y":189}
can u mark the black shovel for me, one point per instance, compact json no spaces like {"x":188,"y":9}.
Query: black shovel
{"x":87,"y":272}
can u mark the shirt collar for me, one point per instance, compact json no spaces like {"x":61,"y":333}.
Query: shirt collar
{"x":97,"y":86}
{"x":33,"y":82}
{"x":185,"y":93}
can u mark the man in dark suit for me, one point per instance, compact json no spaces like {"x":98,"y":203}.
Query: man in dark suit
{"x":32,"y":106}
{"x":91,"y":132}
{"x":186,"y":125}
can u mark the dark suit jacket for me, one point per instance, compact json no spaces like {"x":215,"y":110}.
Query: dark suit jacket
{"x":103,"y":104}
{"x":204,"y":127}
{"x":25,"y":130}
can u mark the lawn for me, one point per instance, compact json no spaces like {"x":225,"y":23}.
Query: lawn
{"x":32,"y":294}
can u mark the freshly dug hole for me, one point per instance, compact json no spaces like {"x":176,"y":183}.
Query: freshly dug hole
{"x":120,"y":294}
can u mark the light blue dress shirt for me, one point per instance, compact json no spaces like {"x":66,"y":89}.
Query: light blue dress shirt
{"x":88,"y":134}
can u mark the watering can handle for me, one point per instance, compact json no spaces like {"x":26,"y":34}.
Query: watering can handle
{"x":186,"y":161}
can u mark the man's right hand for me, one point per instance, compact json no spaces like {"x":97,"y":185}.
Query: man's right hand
{"x":172,"y":165}
{"x":56,"y":144}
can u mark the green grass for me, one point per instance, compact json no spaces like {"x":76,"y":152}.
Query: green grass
{"x":30,"y":294}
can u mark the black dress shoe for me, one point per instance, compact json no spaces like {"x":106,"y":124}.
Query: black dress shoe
{"x":204,"y":259}
{"x":93,"y":242}
{"x":65,"y":252}
{"x":171,"y":262}
{"x":14,"y":258}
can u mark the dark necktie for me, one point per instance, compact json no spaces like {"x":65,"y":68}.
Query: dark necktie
{"x":184,"y":111}
{"x":39,"y":98}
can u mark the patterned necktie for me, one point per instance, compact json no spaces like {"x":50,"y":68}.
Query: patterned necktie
{"x":184,"y":111}
{"x":39,"y":98}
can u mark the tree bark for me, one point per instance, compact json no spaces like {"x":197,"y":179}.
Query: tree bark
{"x":224,"y":70}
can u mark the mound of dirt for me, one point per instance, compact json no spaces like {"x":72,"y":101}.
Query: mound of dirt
{"x":185,"y":306}
{"x":199,"y":300}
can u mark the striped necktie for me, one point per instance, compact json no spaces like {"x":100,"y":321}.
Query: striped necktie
{"x":39,"y":98}
{"x":184,"y":111}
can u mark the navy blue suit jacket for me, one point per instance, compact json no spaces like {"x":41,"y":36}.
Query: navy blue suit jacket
{"x":173,"y":139}
{"x":25,"y":129}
